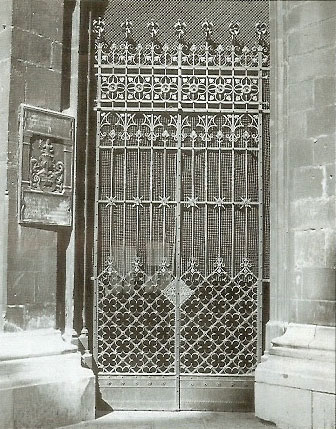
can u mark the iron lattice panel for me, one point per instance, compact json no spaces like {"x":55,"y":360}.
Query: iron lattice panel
{"x":219,"y":322}
{"x":192,"y":12}
{"x":136,"y":323}
{"x":181,"y":136}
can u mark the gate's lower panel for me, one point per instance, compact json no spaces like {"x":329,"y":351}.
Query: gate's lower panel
{"x":197,"y":393}
{"x":217,"y":393}
{"x":138,"y":392}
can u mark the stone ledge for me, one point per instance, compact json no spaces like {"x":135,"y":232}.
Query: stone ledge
{"x":291,"y":408}
{"x":298,"y":373}
{"x":40,"y":391}
{"x":312,"y":337}
{"x":303,"y":357}
{"x":26,"y":344}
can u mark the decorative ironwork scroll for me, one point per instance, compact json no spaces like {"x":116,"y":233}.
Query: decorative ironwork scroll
{"x":179,"y":203}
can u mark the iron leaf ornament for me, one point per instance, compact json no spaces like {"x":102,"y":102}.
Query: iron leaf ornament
{"x":207,"y":28}
{"x":98,"y":28}
{"x":127,"y":28}
{"x":180,"y":31}
{"x":234,"y":30}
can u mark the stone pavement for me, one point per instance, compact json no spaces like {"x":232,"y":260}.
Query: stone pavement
{"x":175,"y":420}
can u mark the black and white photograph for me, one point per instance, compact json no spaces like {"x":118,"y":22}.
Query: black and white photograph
{"x":167,"y":214}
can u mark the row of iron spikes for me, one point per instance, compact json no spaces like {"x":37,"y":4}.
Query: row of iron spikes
{"x":180,"y":31}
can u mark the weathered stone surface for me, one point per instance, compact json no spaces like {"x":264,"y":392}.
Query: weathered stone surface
{"x":301,"y":95}
{"x":56,"y":56}
{"x":46,"y":387}
{"x":321,"y":121}
{"x":284,"y":406}
{"x":22,"y":14}
{"x":297,"y":127}
{"x":318,"y":35}
{"x":313,"y":311}
{"x":31,"y":47}
{"x":322,"y":404}
{"x":318,"y":283}
{"x":301,"y":363}
{"x":308,"y":182}
{"x":303,"y":15}
{"x":313,"y":213}
{"x":312,"y":64}
{"x":47,"y":18}
{"x":324,"y":90}
{"x":330,"y":246}
{"x":42,"y":87}
{"x":310,"y":248}
{"x":301,"y":154}
{"x":324,"y":149}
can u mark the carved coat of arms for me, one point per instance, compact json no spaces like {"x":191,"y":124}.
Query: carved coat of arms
{"x":46,"y":174}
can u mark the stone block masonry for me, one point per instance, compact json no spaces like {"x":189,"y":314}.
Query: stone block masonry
{"x":42,"y":382}
{"x":311,"y":81}
{"x":36,"y":79}
{"x":298,"y":371}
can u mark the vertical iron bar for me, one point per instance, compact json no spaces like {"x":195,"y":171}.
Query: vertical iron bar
{"x":220,"y":207}
{"x":86,"y":188}
{"x":206,"y":210}
{"x":193,"y":196}
{"x":151,"y":174}
{"x":125,"y":161}
{"x":206,"y":167}
{"x":178,"y":232}
{"x":164,"y":207}
{"x":233,"y":129}
{"x":96,"y":220}
{"x":124,"y":184}
{"x":111,"y":194}
{"x":139,"y":205}
{"x":246,"y":196}
{"x":261,"y":218}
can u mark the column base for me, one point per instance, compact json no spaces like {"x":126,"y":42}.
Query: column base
{"x":295,"y":382}
{"x":42,"y":382}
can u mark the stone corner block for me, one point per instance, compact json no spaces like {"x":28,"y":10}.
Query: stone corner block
{"x":44,"y":390}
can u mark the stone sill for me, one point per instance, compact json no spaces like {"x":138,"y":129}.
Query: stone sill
{"x":303,"y":358}
{"x":28,"y":344}
{"x":308,"y":337}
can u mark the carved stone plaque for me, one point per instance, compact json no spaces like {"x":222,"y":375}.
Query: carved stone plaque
{"x":46,"y":167}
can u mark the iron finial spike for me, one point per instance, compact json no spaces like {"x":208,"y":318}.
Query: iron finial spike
{"x":207,"y":28}
{"x":153,"y":28}
{"x":261,"y":30}
{"x":98,"y":28}
{"x":180,"y":30}
{"x":127,"y":27}
{"x":234,"y":30}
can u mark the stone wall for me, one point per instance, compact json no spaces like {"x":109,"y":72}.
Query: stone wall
{"x":5,"y":65}
{"x":298,"y":369}
{"x":311,"y":125}
{"x":35,"y":78}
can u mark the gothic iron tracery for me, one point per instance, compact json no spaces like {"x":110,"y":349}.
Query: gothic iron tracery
{"x":179,"y":203}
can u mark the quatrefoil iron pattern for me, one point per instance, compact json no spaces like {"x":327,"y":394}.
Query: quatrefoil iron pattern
{"x":181,"y":130}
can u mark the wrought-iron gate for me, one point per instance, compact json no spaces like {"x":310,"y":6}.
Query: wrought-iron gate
{"x":179,"y":219}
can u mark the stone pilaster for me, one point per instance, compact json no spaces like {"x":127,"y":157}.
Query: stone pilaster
{"x":298,"y":370}
{"x":42,"y":382}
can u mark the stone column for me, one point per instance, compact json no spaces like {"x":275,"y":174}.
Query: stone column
{"x":298,"y":370}
{"x":5,"y":66}
{"x":42,"y":382}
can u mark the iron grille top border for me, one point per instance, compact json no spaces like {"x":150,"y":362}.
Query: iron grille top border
{"x":158,"y":53}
